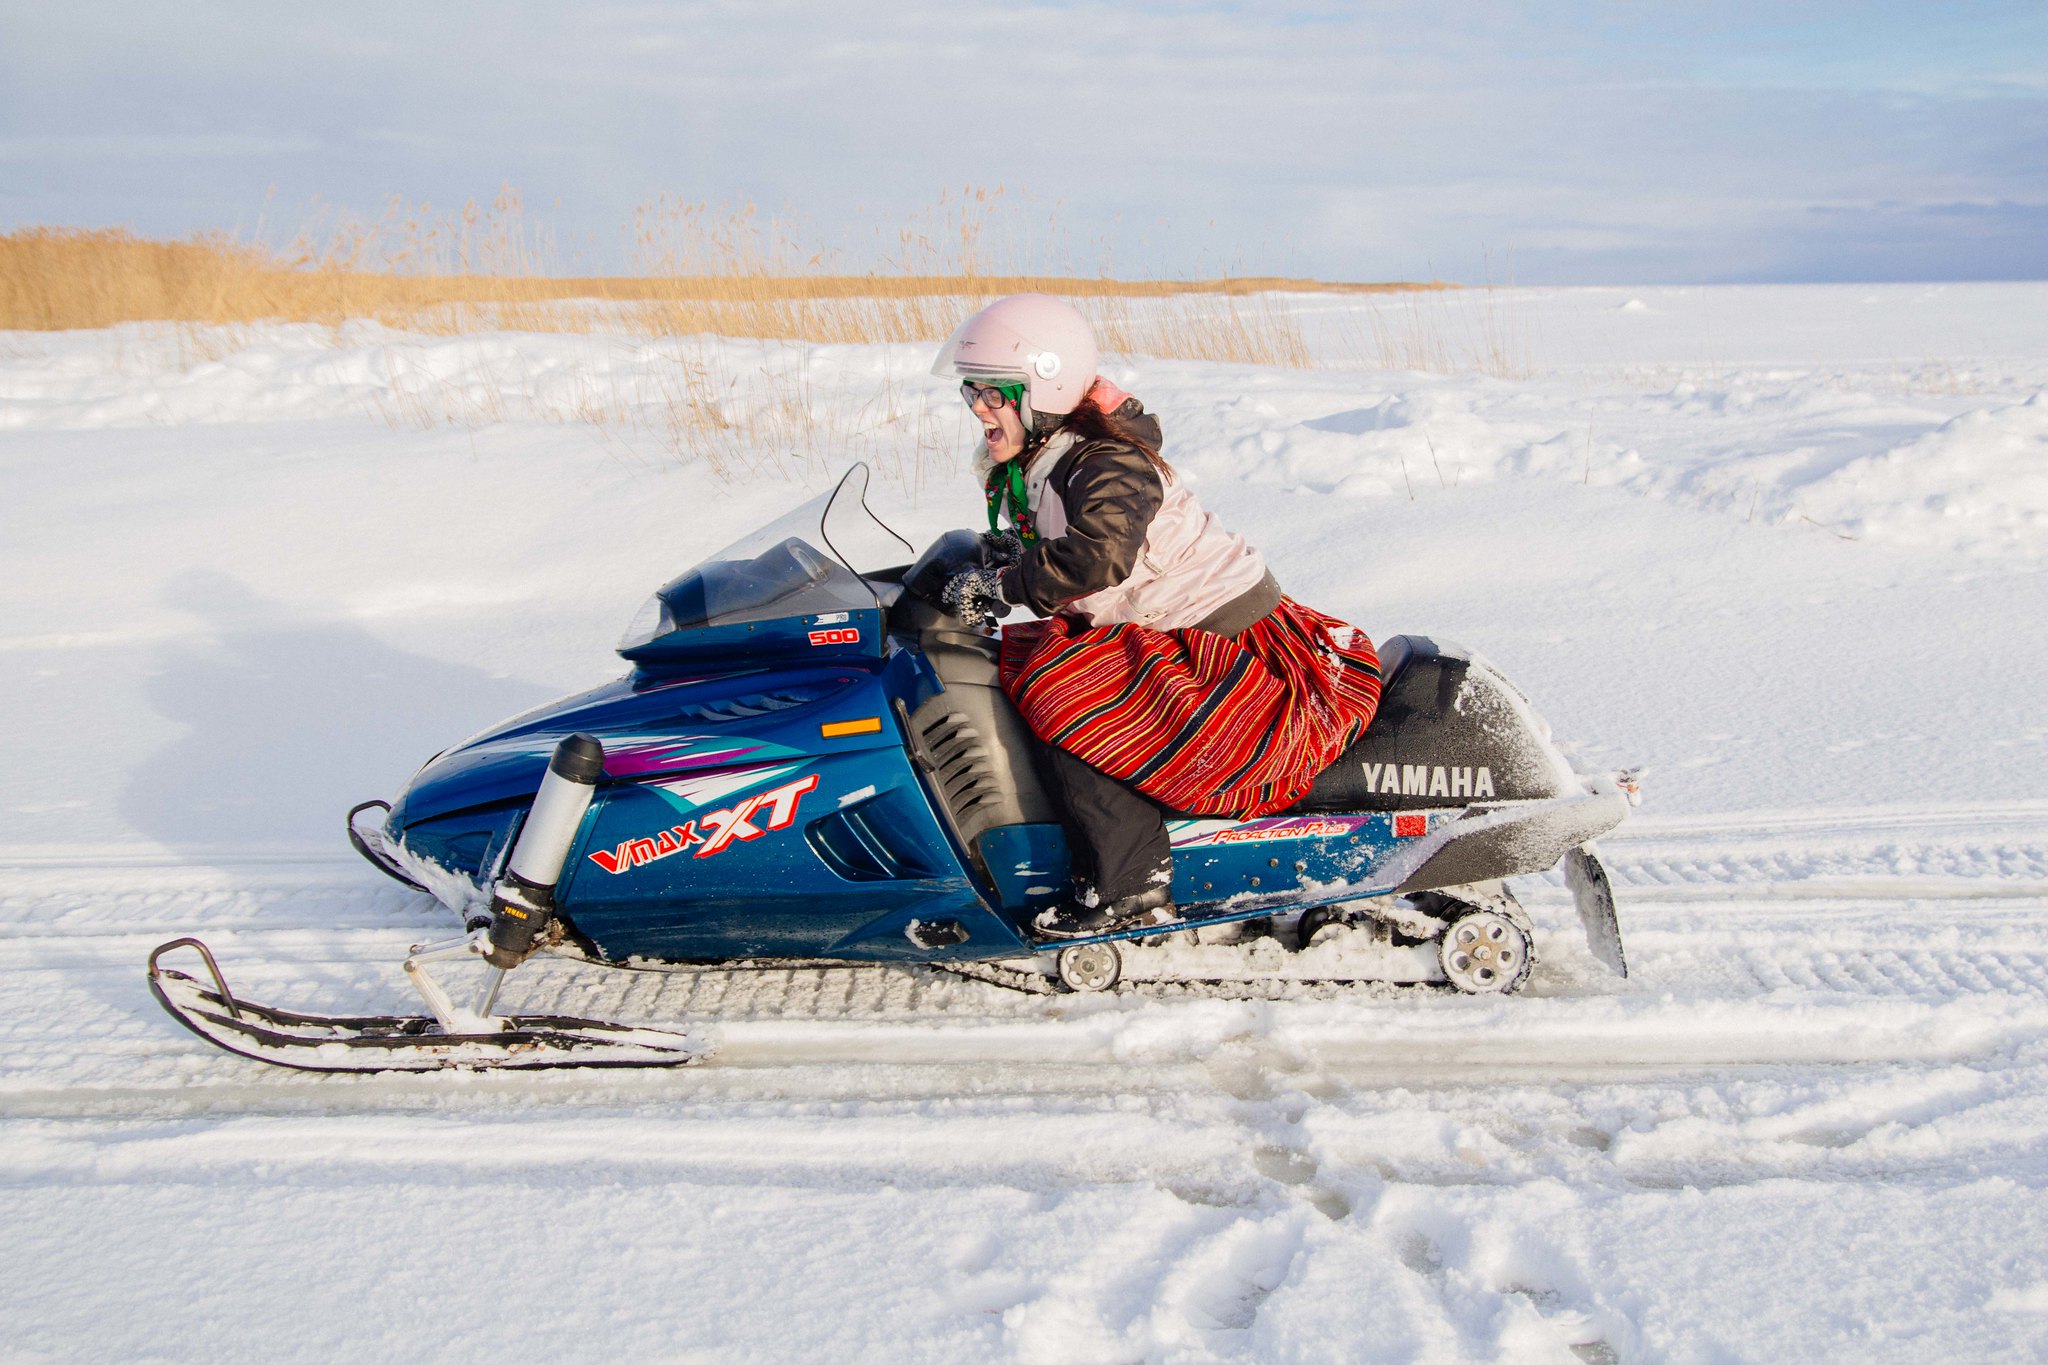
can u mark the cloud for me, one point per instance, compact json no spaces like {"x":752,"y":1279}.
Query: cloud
{"x":153,"y":147}
{"x":1593,"y":141}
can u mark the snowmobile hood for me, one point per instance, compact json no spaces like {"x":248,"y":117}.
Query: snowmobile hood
{"x":648,"y":725}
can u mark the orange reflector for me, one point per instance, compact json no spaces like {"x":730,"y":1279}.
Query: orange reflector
{"x":870,"y":725}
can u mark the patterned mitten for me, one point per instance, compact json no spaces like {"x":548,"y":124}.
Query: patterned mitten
{"x":1002,"y":548}
{"x":976,"y":597}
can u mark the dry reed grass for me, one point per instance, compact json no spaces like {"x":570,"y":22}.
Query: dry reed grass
{"x":741,"y":409}
{"x":702,"y":273}
{"x":54,"y":279}
{"x":1474,"y":331}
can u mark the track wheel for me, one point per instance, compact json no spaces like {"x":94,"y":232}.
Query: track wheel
{"x":1486,"y":953}
{"x":1314,"y":921}
{"x":1090,"y":966}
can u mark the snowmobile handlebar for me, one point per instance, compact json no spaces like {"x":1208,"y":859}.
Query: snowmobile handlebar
{"x":952,"y":553}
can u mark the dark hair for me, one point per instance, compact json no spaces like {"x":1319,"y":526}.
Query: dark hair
{"x":1089,"y":422}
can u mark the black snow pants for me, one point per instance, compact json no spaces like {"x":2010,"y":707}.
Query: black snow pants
{"x":1116,"y":834}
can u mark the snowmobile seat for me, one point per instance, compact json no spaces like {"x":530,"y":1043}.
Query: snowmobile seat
{"x":1449,"y":731}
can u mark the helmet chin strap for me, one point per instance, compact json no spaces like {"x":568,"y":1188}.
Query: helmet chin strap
{"x":1038,"y":429}
{"x":1039,"y":426}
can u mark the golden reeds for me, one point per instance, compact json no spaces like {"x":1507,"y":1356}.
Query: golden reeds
{"x":55,"y":279}
{"x":702,"y":271}
{"x":703,"y":274}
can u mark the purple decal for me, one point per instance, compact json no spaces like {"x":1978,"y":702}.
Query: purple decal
{"x":671,"y":756}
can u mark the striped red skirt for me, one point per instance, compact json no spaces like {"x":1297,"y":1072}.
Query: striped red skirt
{"x":1202,"y":723}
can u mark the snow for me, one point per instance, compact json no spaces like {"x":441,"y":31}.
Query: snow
{"x":1783,"y":546}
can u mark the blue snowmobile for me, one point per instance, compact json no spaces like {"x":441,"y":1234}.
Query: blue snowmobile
{"x":813,"y":764}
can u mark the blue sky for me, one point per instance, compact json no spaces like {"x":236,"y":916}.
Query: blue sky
{"x":1565,"y":142}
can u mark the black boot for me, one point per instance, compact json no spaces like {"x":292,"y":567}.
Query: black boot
{"x":1073,"y":919}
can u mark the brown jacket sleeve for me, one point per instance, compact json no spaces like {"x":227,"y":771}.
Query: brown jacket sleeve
{"x":1110,"y":492}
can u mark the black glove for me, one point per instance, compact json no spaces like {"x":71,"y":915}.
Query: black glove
{"x":1001,"y":548}
{"x":976,"y":597}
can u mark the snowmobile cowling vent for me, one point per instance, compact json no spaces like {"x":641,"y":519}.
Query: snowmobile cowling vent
{"x":974,"y":747}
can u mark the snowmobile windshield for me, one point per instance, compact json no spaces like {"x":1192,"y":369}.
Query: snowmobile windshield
{"x":807,"y":562}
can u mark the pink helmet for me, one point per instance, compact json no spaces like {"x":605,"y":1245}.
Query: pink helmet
{"x":1034,"y":337}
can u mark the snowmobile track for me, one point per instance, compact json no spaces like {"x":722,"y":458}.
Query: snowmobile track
{"x":1844,"y":914}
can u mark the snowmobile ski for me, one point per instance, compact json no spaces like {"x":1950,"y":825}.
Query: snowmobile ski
{"x":320,"y":1042}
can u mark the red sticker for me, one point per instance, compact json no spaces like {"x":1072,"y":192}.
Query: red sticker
{"x":1410,"y":826}
{"x":845,"y":635}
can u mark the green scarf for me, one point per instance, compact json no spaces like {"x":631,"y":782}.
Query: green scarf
{"x":1006,"y":486}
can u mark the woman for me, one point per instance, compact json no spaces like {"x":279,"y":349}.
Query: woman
{"x":1172,"y":673}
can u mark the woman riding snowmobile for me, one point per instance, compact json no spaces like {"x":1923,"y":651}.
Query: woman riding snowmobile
{"x":1171,"y":673}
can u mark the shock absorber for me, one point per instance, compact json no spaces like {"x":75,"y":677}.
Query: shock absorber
{"x":523,"y":901}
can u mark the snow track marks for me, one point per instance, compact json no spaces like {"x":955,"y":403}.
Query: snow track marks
{"x":1837,"y":1012}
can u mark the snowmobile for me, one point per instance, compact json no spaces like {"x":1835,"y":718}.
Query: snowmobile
{"x":813,"y":764}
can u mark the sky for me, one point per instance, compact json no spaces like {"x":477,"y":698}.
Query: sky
{"x":1566,"y":142}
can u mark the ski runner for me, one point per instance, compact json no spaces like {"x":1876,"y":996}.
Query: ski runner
{"x":1171,"y":673}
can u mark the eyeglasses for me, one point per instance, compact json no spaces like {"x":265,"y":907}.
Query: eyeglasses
{"x":996,"y":396}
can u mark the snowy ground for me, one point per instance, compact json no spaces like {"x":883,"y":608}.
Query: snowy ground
{"x":1783,"y":546}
